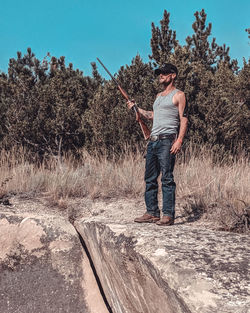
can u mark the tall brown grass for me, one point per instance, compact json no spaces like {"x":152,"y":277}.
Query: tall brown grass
{"x":221,"y":190}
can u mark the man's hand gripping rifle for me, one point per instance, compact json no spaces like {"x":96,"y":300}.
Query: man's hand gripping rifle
{"x":144,"y":128}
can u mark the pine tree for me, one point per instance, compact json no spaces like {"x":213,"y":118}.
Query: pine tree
{"x":62,"y":102}
{"x":248,"y":31}
{"x":201,"y":87}
{"x":3,"y":104}
{"x":24,"y":75}
{"x":201,"y":49}
{"x":242,"y":104}
{"x":220,"y":105}
{"x":163,"y":41}
{"x":45,"y":106}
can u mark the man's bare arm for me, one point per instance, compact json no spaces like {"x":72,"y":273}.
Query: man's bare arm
{"x":149,"y":115}
{"x":183,"y":119}
{"x":181,"y":103}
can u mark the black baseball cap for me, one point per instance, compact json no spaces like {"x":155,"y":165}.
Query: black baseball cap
{"x":166,"y":68}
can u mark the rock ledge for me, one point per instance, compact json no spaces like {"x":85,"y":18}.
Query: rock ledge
{"x":146,"y":268}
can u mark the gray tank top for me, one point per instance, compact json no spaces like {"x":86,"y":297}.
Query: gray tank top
{"x":166,"y":115}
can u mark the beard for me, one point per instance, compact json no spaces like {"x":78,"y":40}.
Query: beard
{"x":164,"y":84}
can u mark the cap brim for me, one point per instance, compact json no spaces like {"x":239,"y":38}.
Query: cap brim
{"x":159,"y":71}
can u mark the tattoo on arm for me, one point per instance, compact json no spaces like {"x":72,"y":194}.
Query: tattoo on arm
{"x":185,"y":112}
{"x":147,"y":114}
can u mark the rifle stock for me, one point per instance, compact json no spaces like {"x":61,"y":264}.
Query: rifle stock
{"x":144,"y":128}
{"x":146,"y":132}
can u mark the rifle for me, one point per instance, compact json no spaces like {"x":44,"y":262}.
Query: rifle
{"x":144,"y":128}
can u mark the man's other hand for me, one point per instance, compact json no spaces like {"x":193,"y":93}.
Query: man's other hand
{"x":176,"y":147}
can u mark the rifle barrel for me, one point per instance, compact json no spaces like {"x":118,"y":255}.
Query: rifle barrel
{"x":144,"y":128}
{"x":107,"y":71}
{"x":123,"y":92}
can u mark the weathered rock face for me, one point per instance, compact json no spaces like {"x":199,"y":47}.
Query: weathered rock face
{"x":43,"y":267}
{"x":145,"y":268}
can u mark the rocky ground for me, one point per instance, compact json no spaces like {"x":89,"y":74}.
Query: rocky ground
{"x":124,"y":208}
{"x":189,"y":267}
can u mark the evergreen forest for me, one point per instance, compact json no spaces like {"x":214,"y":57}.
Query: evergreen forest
{"x":51,"y":108}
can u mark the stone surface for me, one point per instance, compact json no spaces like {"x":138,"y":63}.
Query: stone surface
{"x":142,"y":267}
{"x":43,"y":267}
{"x":146,"y":268}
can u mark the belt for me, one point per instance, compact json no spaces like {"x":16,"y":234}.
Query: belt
{"x":162,"y":136}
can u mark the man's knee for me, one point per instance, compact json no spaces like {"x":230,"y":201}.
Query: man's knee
{"x":168,"y":180}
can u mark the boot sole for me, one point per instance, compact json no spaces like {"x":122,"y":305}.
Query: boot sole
{"x":148,"y":221}
{"x":164,"y":224}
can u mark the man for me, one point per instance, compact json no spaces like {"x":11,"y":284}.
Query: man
{"x":169,"y":127}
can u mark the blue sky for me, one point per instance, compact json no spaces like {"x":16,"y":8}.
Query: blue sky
{"x":115,"y":30}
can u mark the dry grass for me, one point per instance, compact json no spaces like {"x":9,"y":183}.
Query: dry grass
{"x":220,"y":191}
{"x":90,"y":176}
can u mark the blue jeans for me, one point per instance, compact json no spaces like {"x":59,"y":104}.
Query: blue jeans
{"x":160,"y":160}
